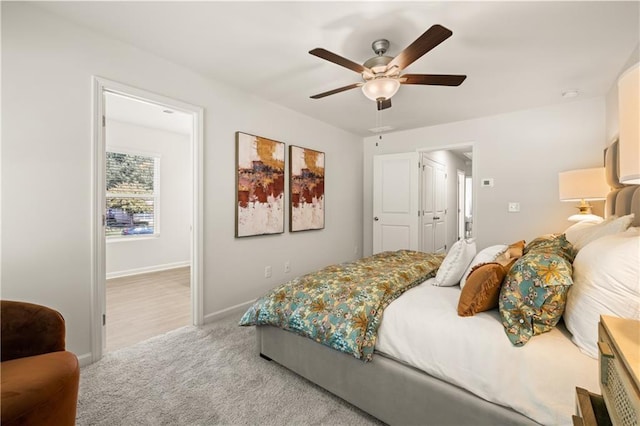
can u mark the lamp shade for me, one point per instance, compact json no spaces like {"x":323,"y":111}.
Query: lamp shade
{"x":629,"y":116}
{"x":378,"y":88}
{"x":583,"y":184}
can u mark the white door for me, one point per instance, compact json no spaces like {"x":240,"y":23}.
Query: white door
{"x":461,"y":184}
{"x":434,"y":213}
{"x":395,"y":202}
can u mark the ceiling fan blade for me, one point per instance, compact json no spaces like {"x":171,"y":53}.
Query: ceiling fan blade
{"x":433,"y":79}
{"x":339,"y":60}
{"x":334,"y":91}
{"x":427,"y":41}
{"x":383,"y":104}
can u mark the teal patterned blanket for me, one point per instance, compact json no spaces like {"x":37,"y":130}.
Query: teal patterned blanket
{"x":341,"y":305}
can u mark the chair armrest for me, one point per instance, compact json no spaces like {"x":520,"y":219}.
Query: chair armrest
{"x":29,"y":329}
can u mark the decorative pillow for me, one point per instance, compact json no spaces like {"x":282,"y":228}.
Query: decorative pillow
{"x":605,"y":282}
{"x":460,"y":255}
{"x":555,"y":243}
{"x":535,"y":290}
{"x":486,"y":255}
{"x":482,"y":289}
{"x":485,"y":281}
{"x":514,"y":251}
{"x":582,"y":235}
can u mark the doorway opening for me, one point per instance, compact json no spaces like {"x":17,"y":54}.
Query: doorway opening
{"x":446,"y":196}
{"x":416,"y":199}
{"x":148,"y":214}
{"x":148,"y":198}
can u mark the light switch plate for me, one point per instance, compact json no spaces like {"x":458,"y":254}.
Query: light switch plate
{"x":514,"y":207}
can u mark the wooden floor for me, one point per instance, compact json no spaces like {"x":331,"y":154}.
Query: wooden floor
{"x":146,"y":305}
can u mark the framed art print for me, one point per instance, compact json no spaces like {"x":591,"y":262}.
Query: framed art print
{"x":259,"y":185}
{"x":306,"y":187}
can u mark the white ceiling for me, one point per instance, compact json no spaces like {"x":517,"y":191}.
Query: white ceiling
{"x":517,"y":55}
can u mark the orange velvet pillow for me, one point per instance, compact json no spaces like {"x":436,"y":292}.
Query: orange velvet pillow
{"x":482,"y":289}
{"x":513,"y":252}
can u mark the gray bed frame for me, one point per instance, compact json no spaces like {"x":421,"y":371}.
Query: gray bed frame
{"x":385,"y":388}
{"x":395,"y":392}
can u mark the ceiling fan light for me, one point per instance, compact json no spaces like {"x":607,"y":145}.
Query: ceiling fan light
{"x":378,"y":88}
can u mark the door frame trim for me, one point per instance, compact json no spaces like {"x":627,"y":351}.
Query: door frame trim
{"x":98,"y":192}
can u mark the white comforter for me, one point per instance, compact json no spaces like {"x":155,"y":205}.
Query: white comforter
{"x":423,"y":329}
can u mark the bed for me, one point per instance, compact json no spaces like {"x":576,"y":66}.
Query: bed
{"x":432,"y":366}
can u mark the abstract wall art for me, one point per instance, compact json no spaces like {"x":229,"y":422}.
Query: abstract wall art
{"x":259,"y":185}
{"x":306,"y":187}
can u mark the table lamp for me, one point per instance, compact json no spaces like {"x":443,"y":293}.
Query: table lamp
{"x":583,"y":185}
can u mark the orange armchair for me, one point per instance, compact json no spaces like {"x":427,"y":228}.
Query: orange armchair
{"x":39,"y":377}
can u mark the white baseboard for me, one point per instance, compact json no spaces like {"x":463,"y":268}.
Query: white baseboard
{"x":155,"y":268}
{"x":236,"y":309}
{"x":85,"y":359}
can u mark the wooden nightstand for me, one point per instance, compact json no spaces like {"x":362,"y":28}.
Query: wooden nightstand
{"x":619,"y":360}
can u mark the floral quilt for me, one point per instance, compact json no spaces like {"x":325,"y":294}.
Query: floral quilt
{"x":341,"y":305}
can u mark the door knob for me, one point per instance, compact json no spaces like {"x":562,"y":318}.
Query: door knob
{"x":375,"y":218}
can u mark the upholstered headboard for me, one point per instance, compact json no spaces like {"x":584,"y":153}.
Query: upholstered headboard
{"x":623,"y":199}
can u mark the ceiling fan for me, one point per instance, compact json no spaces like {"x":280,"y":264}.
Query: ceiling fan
{"x":381,"y":74}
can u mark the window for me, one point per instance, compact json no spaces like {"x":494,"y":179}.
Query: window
{"x":132,"y":194}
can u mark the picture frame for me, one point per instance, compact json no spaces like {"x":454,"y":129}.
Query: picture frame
{"x":306,"y":189}
{"x":260,"y":169}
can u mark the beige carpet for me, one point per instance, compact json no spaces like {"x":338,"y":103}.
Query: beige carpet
{"x":210,"y":375}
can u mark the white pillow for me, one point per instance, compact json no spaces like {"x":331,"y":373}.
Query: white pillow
{"x":576,"y":230}
{"x":488,"y":254}
{"x":454,"y":264}
{"x":583,"y":235}
{"x":606,"y":281}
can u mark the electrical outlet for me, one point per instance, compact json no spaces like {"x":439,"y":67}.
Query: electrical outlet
{"x":287,"y":267}
{"x":514,"y":207}
{"x":267,"y":271}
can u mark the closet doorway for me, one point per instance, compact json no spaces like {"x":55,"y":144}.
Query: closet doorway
{"x":148,"y":202}
{"x":445,"y":197}
{"x":417,"y":199}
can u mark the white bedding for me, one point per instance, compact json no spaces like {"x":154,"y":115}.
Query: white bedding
{"x":422,"y":328}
